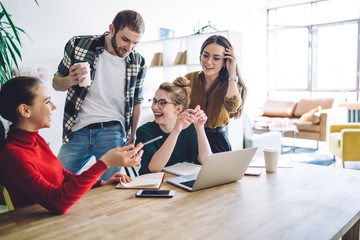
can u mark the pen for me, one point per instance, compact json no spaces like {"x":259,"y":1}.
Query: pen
{"x":152,"y":140}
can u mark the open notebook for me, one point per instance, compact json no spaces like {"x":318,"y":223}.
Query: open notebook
{"x":148,"y":181}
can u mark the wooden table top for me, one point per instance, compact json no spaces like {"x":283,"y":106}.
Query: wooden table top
{"x":351,"y":106}
{"x":303,"y":202}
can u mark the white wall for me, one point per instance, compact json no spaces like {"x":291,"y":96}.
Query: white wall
{"x":52,"y":24}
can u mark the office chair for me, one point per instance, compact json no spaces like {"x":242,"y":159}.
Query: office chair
{"x":7,"y":198}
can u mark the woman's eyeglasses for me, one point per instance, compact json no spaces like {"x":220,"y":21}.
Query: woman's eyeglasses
{"x":215,"y":59}
{"x":161,"y":103}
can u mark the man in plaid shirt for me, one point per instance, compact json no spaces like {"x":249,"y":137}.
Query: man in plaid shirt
{"x":105,"y":114}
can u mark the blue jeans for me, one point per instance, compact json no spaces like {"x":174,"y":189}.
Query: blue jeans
{"x":87,"y":143}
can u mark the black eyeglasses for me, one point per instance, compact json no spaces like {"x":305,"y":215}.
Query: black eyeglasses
{"x":161,"y":103}
{"x":215,"y":59}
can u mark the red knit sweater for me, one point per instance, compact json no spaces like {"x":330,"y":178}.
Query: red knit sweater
{"x":33,"y":174}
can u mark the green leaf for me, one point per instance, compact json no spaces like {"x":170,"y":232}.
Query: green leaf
{"x":4,"y":77}
{"x":12,"y":44}
{"x":11,"y":23}
{"x":13,"y":57}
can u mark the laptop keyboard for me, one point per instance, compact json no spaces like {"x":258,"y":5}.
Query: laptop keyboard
{"x":188,"y":183}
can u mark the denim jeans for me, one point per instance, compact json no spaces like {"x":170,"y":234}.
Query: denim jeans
{"x":87,"y":143}
{"x":218,"y":142}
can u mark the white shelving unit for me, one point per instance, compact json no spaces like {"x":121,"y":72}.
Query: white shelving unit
{"x":170,"y":47}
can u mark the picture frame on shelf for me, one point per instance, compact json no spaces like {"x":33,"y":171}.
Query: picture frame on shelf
{"x":166,"y":33}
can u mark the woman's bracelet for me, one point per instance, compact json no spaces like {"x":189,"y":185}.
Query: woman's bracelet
{"x":235,"y":78}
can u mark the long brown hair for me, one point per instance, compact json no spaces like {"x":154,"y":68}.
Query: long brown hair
{"x":224,"y":74}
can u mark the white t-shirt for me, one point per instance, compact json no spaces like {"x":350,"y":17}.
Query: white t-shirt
{"x":105,"y":100}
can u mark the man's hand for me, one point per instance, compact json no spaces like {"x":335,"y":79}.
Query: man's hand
{"x":131,"y":140}
{"x":76,"y":74}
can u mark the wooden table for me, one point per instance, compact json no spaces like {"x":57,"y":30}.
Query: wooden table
{"x":303,"y":202}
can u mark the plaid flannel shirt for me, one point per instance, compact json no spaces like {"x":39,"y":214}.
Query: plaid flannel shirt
{"x":88,"y":49}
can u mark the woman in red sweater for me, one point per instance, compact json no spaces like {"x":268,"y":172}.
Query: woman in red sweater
{"x":28,"y":168}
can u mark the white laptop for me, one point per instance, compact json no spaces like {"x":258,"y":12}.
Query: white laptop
{"x":218,"y":168}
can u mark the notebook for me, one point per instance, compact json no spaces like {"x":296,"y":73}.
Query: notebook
{"x":218,"y":169}
{"x":150,"y":180}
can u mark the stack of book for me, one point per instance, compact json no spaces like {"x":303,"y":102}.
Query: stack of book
{"x":157,"y":59}
{"x":180,"y":58}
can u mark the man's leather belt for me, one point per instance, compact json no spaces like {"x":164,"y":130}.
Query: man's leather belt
{"x":102,"y":124}
{"x":215,"y":130}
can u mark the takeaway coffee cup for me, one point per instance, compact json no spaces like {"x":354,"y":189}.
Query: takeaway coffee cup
{"x":87,"y":80}
{"x":271,"y":156}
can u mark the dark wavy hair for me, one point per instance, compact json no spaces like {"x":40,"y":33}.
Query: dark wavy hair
{"x":16,"y":91}
{"x":224,"y":74}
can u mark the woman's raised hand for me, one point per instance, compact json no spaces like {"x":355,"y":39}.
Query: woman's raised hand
{"x":184,"y":120}
{"x":200,"y":116}
{"x":230,"y":61}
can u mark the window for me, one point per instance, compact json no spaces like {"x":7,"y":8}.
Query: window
{"x":336,"y":58}
{"x":289,"y":55}
{"x":314,"y":47}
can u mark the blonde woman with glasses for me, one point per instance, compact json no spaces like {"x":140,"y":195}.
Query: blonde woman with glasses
{"x":184,"y":138}
{"x":218,"y":89}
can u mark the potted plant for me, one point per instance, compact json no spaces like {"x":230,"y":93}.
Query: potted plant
{"x":10,"y":44}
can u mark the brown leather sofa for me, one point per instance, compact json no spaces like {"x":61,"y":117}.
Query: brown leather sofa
{"x":309,"y":115}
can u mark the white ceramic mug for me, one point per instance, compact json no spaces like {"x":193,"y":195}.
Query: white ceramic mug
{"x":271,"y":156}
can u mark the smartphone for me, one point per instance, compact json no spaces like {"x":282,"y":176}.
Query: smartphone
{"x":151,"y":193}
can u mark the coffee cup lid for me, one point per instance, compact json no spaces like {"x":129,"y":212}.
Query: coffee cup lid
{"x":270,"y":149}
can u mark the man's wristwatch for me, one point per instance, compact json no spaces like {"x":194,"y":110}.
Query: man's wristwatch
{"x":235,"y":78}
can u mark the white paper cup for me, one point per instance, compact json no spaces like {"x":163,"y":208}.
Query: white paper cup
{"x":271,"y":156}
{"x":87,"y":80}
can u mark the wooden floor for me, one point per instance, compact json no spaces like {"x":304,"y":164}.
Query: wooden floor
{"x":323,"y":146}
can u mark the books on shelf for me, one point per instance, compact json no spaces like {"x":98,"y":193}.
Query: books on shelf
{"x":149,"y":181}
{"x":183,"y":168}
{"x":157,"y":59}
{"x":183,"y":57}
{"x":177,"y":58}
{"x":180,"y":58}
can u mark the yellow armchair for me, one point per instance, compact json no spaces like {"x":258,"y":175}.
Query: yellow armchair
{"x":344,"y":141}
